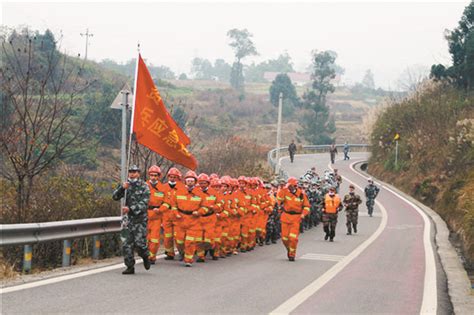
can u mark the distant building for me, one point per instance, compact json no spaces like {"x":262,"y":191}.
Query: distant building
{"x":298,"y":78}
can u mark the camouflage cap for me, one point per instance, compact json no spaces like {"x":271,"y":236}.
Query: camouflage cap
{"x":351,"y":186}
{"x":134,"y":168}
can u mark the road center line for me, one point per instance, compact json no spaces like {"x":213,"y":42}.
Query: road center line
{"x":292,"y":303}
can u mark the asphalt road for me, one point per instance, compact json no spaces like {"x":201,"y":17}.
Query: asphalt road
{"x":385,"y":268}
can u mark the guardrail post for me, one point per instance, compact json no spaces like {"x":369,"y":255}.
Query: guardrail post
{"x":27,"y":255}
{"x":66,"y":253}
{"x":95,"y":247}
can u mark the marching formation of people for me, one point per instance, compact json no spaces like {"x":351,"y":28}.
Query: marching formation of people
{"x":203,"y":217}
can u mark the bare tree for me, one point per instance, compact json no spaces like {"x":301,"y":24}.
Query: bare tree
{"x":411,"y":78}
{"x":43,"y":114}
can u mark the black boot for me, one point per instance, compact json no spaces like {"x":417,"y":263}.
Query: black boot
{"x":326,"y":229}
{"x":129,"y":271}
{"x":146,"y":262}
{"x":349,"y":230}
{"x":333,"y":234}
{"x":355,"y":227}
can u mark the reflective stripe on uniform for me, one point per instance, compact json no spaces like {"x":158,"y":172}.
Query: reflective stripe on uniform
{"x":154,"y":240}
{"x":195,"y":198}
{"x":292,"y":235}
{"x":180,"y":242}
{"x":211,"y":198}
{"x":189,"y":256}
{"x":168,"y":234}
{"x":189,"y":238}
{"x":181,"y":197}
{"x":285,"y":238}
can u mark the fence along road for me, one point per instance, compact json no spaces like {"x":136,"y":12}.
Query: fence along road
{"x":385,"y":276}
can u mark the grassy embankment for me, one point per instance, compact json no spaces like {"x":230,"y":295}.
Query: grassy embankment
{"x":436,"y":157}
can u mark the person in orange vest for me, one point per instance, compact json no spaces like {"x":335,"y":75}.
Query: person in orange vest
{"x":268,"y":204}
{"x":262,"y":214}
{"x":245,"y":200}
{"x":221,"y":220}
{"x":238,"y":211}
{"x":331,"y":206}
{"x":208,"y":220}
{"x":169,"y":217}
{"x":158,"y":205}
{"x":227,"y":211}
{"x":189,"y":201}
{"x":254,"y":211}
{"x":295,"y":207}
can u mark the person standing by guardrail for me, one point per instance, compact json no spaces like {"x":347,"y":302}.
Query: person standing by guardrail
{"x":346,"y":151}
{"x":134,"y":221}
{"x":333,"y":152}
{"x":292,"y":150}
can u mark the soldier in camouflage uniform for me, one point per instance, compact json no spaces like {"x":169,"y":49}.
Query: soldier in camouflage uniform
{"x":134,"y":220}
{"x":317,"y":204}
{"x":338,"y":180}
{"x":273,"y":222}
{"x":371,"y":192}
{"x":351,"y":202}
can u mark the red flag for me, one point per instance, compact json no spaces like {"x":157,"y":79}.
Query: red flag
{"x":153,"y":125}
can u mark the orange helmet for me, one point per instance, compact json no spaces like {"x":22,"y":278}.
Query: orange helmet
{"x":292,"y":181}
{"x":225,"y":180}
{"x":191,"y":174}
{"x":234,"y":182}
{"x":204,"y":178}
{"x":215,"y":183}
{"x":174,"y":171}
{"x":242,"y":179}
{"x":213,"y":176}
{"x":253,"y":181}
{"x":154,"y":169}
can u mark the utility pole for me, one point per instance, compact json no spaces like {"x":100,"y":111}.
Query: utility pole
{"x":280,"y":105}
{"x":396,"y":154}
{"x":87,"y":35}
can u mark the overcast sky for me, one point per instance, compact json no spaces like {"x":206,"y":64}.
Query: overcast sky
{"x":385,"y":37}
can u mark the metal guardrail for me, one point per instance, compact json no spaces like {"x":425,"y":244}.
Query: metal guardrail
{"x":271,"y":155}
{"x":29,"y":234}
{"x":33,"y":233}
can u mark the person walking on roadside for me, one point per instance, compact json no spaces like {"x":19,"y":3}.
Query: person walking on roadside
{"x":371,"y":192}
{"x":292,"y":150}
{"x":351,"y":202}
{"x":295,"y":206}
{"x":346,"y":151}
{"x":332,"y":205}
{"x":134,"y":219}
{"x":333,"y":152}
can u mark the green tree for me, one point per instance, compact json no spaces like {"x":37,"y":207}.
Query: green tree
{"x":283,"y":84}
{"x":283,"y":64}
{"x":368,"y":80}
{"x":461,"y":47}
{"x":317,"y":125}
{"x":201,"y":69}
{"x":222,"y":70}
{"x":243,"y":46}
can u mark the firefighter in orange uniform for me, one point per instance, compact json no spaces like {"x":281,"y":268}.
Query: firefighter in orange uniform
{"x":227,"y":212}
{"x":208,"y":220}
{"x":189,"y":202}
{"x":157,"y":206}
{"x":245,"y":200}
{"x":221,"y":219}
{"x":255,"y":209}
{"x":169,"y":217}
{"x":295,"y":205}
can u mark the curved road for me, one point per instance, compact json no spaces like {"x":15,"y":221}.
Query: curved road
{"x":390,"y":266}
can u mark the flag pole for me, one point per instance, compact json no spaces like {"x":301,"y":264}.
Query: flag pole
{"x":131,"y":123}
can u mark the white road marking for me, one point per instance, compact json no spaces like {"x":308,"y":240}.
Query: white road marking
{"x":430,"y":296}
{"x":65,"y":277}
{"x":325,"y":257}
{"x":292,"y":303}
{"x":429,"y":303}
